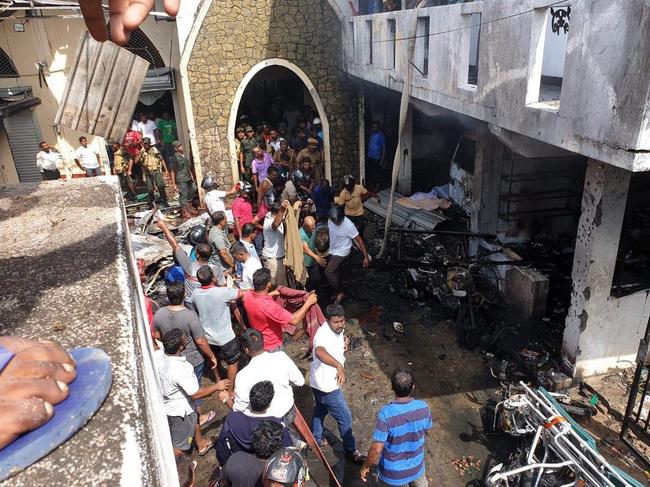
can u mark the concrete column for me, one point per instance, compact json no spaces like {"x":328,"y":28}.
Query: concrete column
{"x":599,"y":329}
{"x":362,"y":135}
{"x":405,"y":150}
{"x":486,"y":182}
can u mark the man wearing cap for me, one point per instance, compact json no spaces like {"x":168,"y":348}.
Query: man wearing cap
{"x":152,"y":162}
{"x":182,"y":178}
{"x":246,"y":154}
{"x":312,"y":153}
{"x":240,"y":133}
{"x":121,"y":162}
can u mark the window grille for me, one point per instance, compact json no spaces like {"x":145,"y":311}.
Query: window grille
{"x":140,"y":45}
{"x":7,"y":68}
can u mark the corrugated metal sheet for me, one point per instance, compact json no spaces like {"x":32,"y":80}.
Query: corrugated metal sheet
{"x":23,"y":139}
{"x":403,"y":217}
{"x":102,"y":89}
{"x":159,"y":79}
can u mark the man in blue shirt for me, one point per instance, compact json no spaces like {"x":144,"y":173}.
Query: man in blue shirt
{"x":398,"y":441}
{"x":375,"y":156}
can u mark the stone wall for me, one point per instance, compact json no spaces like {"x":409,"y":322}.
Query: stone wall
{"x":238,"y":34}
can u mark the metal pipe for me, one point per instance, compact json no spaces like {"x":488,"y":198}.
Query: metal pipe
{"x":452,"y":233}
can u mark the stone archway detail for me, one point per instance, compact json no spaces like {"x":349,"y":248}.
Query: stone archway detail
{"x":232,"y":120}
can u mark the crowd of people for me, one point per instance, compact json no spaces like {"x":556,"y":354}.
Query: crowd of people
{"x":259,"y":275}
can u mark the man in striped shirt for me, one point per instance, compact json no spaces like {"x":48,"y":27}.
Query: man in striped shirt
{"x":398,"y":441}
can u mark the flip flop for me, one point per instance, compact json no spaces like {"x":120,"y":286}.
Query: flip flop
{"x":210,"y":444}
{"x":87,"y":393}
{"x":211,"y":417}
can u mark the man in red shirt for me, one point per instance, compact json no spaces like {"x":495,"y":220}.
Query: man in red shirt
{"x":267,"y":316}
{"x":242,"y":209}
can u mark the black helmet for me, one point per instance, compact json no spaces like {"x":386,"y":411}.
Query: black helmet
{"x":245,"y":188}
{"x":272,"y":199}
{"x":287,"y":467}
{"x":196,"y":235}
{"x":337,"y":214}
{"x":348,"y":180}
{"x":209,"y":183}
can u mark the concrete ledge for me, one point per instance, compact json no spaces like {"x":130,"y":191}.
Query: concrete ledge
{"x":65,"y":257}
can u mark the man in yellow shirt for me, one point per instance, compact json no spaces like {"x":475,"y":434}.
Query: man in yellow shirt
{"x":352,"y":197}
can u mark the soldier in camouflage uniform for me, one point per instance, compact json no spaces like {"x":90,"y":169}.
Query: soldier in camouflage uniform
{"x":246,"y":154}
{"x":152,"y":162}
{"x":182,"y":179}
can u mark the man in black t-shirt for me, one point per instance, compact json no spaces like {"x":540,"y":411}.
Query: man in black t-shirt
{"x":237,"y":432}
{"x":246,"y":469}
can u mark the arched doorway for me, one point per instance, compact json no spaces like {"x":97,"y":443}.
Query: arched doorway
{"x":278,"y":69}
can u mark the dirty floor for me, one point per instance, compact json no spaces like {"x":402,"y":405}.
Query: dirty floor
{"x":454,"y":382}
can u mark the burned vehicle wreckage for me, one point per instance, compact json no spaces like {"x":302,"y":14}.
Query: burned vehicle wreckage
{"x":535,"y":405}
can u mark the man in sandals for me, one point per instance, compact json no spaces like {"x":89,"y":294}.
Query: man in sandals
{"x":179,"y":389}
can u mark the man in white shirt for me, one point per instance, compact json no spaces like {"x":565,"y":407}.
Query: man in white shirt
{"x":275,"y":140}
{"x":273,"y":251}
{"x":87,"y":159}
{"x":47,"y":161}
{"x":148,"y":128}
{"x":275,"y":367}
{"x":180,"y":387}
{"x":249,"y":265}
{"x":215,"y":199}
{"x":342,"y":233}
{"x":326,"y":377}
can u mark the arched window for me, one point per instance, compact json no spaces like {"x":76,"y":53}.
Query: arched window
{"x":7,"y":68}
{"x":140,"y":45}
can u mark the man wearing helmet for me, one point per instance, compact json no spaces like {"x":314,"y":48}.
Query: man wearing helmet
{"x":190,"y":267}
{"x":245,"y":469}
{"x":242,"y":208}
{"x":286,"y":468}
{"x":214,"y":198}
{"x":342,"y":234}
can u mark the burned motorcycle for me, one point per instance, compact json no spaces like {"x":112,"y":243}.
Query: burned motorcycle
{"x":555,"y":450}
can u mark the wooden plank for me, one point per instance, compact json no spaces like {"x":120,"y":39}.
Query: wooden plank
{"x":113,"y":94}
{"x":102,"y":90}
{"x":129,"y":98}
{"x":77,"y":84}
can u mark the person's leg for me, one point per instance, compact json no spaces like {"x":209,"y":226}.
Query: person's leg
{"x":150,"y":185}
{"x":337,"y":406}
{"x":231,"y":354}
{"x":272,"y":266}
{"x":160,"y":184}
{"x":420,"y":482}
{"x":320,"y":411}
{"x":280,"y":273}
{"x":314,"y":273}
{"x":333,"y":275}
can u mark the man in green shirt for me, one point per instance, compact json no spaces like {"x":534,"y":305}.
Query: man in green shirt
{"x":168,"y":134}
{"x":182,"y":179}
{"x":311,"y":260}
{"x":246,"y":155}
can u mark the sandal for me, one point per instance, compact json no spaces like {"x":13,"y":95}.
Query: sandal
{"x":210,"y":444}
{"x":211,"y":417}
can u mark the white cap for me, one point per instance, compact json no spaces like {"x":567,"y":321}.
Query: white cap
{"x":316,"y":121}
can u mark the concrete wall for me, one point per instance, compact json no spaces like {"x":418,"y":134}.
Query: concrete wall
{"x":237,"y":35}
{"x":55,"y":41}
{"x":602,"y":111}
